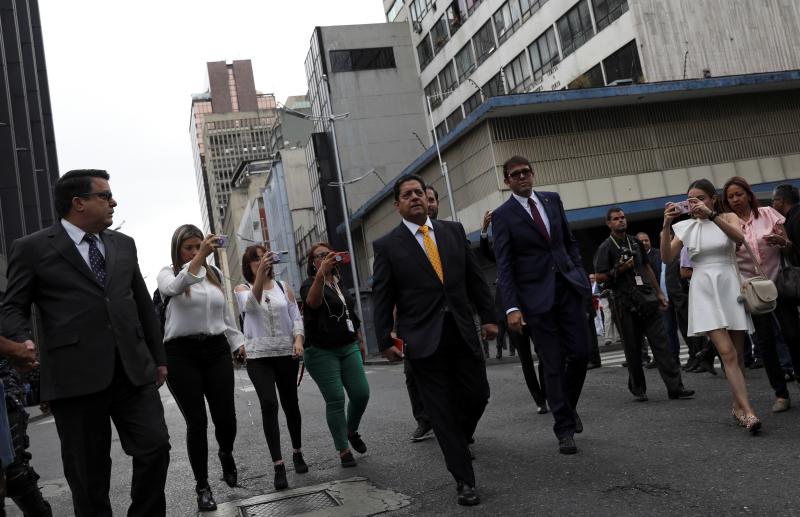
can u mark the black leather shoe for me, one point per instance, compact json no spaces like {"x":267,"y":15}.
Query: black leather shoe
{"x":757,"y":364}
{"x":471,"y":453}
{"x":683,"y":394}
{"x":355,"y":440}
{"x":567,"y":445}
{"x":205,"y":501}
{"x":642,"y":397}
{"x":280,"y":481}
{"x":422,"y":432}
{"x":348,"y":460}
{"x":593,"y":365}
{"x":649,"y":365}
{"x":690,"y":363}
{"x":229,"y":472}
{"x":467,"y":496}
{"x":703,"y":366}
{"x":300,"y":466}
{"x":578,"y":424}
{"x":542,"y":409}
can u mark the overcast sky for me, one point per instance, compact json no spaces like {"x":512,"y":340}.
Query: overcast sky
{"x":121,"y":75}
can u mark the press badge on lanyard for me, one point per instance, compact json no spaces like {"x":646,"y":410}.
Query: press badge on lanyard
{"x":638,"y":280}
{"x":350,"y":325}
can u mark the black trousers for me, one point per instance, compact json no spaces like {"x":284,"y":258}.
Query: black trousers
{"x":417,"y":406}
{"x":522,"y":343}
{"x":680,"y":305}
{"x":84,"y":428}
{"x":786,"y":312}
{"x":21,"y":479}
{"x":633,"y":326}
{"x":562,"y":344}
{"x":201,"y":370}
{"x":453,"y":385}
{"x":266,"y":374}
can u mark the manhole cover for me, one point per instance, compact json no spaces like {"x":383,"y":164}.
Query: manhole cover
{"x":290,"y":505}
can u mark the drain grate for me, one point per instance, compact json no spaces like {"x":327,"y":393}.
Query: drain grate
{"x":290,"y":505}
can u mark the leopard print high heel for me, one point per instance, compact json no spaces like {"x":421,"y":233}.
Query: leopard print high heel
{"x":752,"y":423}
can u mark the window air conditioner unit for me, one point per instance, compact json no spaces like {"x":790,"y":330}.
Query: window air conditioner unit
{"x":417,"y":27}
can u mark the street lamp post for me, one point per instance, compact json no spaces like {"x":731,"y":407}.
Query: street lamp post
{"x":442,"y":164}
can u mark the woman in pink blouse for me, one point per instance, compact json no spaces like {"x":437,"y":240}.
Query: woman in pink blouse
{"x":763,"y":231}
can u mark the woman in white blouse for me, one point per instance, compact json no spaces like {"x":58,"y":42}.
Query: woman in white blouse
{"x":199,"y":337}
{"x":273,"y":327}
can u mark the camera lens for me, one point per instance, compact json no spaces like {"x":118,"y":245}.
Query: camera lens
{"x":338,"y":258}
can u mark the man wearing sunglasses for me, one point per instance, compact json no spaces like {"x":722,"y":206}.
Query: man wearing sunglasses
{"x":545,"y":290}
{"x":101,"y":354}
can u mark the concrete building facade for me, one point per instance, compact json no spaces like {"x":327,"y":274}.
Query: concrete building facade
{"x":238,"y":114}
{"x":470,"y":50}
{"x":28,"y":161}
{"x":368,"y":72}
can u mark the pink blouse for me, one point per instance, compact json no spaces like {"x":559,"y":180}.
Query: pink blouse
{"x":768,"y":257}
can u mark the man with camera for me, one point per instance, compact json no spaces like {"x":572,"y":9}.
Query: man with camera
{"x":621,"y":264}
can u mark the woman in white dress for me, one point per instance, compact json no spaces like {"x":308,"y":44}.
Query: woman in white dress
{"x":714,"y":310}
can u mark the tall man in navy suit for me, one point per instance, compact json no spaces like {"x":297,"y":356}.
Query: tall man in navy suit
{"x":545,"y":290}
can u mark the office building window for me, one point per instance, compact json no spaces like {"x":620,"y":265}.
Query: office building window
{"x":528,"y":7}
{"x":623,"y":65}
{"x":424,"y":52}
{"x":355,"y":60}
{"x":544,"y":54}
{"x":419,"y":8}
{"x":432,"y":91}
{"x":494,"y":87}
{"x":518,"y":76}
{"x":484,"y":43}
{"x":507,"y":20}
{"x":439,"y":34}
{"x":592,"y":78}
{"x":606,"y":11}
{"x":472,"y":103}
{"x":455,"y":16}
{"x":394,"y":10}
{"x":441,"y":130}
{"x":448,"y":79}
{"x":465,"y":62}
{"x":471,"y":5}
{"x":454,"y":118}
{"x":575,"y":28}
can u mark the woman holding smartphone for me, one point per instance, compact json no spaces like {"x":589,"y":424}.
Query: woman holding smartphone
{"x":273,"y":327}
{"x":714,"y":309}
{"x":199,"y":336}
{"x":335,"y":352}
{"x":762,"y":227}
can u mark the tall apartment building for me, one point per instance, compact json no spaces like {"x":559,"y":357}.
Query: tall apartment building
{"x":471,"y":50}
{"x":28,"y":163}
{"x":230,"y":122}
{"x":369,"y":73}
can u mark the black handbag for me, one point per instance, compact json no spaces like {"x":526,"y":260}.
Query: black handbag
{"x":788,"y":281}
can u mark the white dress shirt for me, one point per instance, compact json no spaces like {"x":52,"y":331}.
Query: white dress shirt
{"x":414,"y":229}
{"x":542,"y":212}
{"x":76,"y":234}
{"x":271,"y":325}
{"x":205,"y":311}
{"x":536,"y":201}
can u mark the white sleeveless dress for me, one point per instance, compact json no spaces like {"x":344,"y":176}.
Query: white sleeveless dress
{"x":714,"y":289}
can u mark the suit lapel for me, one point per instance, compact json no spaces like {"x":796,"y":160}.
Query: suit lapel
{"x":63,"y":244}
{"x":522,"y":213}
{"x":109,"y":242}
{"x":552,"y":214}
{"x":409,"y":242}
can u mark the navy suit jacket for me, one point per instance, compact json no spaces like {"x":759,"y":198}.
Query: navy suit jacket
{"x":404,"y":278}
{"x":527,"y":262}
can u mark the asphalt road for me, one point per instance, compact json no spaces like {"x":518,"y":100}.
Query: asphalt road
{"x":662,"y":457}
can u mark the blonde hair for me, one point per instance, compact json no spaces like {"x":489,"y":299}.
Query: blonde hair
{"x":181,"y":235}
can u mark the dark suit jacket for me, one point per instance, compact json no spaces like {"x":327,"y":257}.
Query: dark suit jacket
{"x":403,"y":277}
{"x":527,"y":261}
{"x":654,"y":259}
{"x":792,"y":227}
{"x":86,"y":324}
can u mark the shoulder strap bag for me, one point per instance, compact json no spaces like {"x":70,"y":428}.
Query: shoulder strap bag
{"x":759,"y":294}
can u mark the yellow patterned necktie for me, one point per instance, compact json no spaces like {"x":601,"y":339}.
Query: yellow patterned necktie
{"x":432,"y":251}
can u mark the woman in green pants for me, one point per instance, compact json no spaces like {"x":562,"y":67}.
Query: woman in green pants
{"x":334,"y":354}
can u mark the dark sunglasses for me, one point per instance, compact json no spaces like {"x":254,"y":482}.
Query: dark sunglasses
{"x":105,"y":195}
{"x":520,"y":173}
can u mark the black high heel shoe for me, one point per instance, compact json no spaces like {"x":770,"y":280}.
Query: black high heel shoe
{"x":205,"y":500}
{"x":280,"y":477}
{"x":229,"y":473}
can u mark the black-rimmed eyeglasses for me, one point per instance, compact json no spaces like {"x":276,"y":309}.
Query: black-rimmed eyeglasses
{"x":105,"y":195}
{"x":519,"y":173}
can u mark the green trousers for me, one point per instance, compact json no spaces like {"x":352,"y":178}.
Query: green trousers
{"x":336,"y":370}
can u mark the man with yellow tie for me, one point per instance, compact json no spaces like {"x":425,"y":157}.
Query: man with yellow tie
{"x":428,"y":271}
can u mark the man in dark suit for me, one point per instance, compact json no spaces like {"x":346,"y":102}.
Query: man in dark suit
{"x":545,"y":290}
{"x":786,"y":200}
{"x":101,"y":352}
{"x":427,"y":270}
